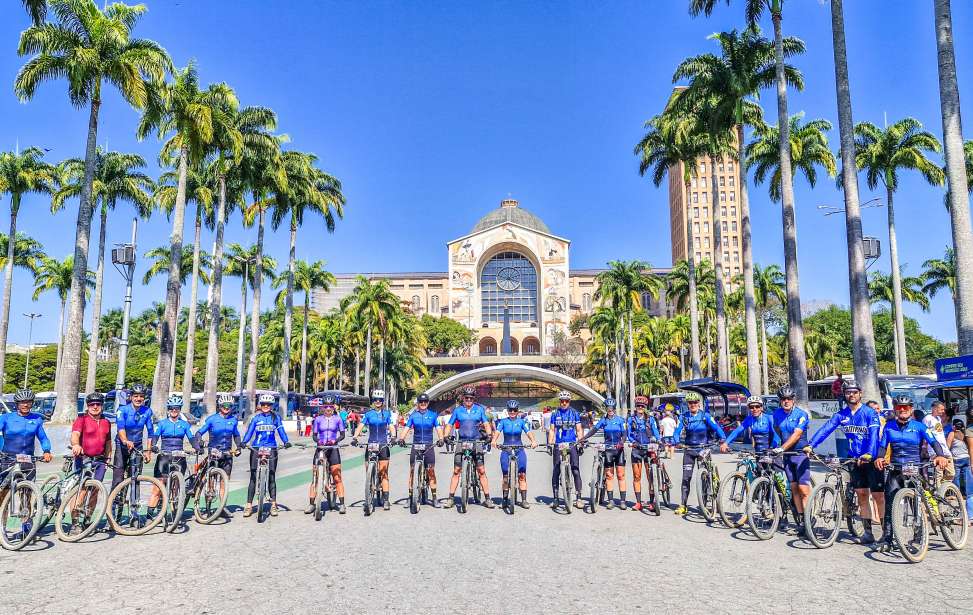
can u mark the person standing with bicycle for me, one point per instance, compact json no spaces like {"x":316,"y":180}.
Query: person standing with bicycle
{"x":19,"y":430}
{"x":642,"y":430}
{"x":473,"y":421}
{"x":224,"y":435}
{"x":379,"y":420}
{"x":512,"y":427}
{"x":423,"y":425}
{"x":791,"y":423}
{"x":615,"y":430}
{"x":172,"y":431}
{"x":264,"y":429}
{"x":327,"y":430}
{"x":696,"y":424}
{"x":91,"y":437}
{"x":131,"y":421}
{"x":566,"y":429}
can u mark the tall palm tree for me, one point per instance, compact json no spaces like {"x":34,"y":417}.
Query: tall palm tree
{"x":881,"y":154}
{"x":111,"y":327}
{"x":769,"y":289}
{"x":863,"y":344}
{"x":58,"y":276}
{"x":728,"y":85}
{"x":160,"y":258}
{"x":37,"y":9}
{"x":371,"y":306}
{"x":88,"y":47}
{"x":307,"y":278}
{"x":118,"y":177}
{"x":20,"y":173}
{"x":241,"y":263}
{"x":940,"y":274}
{"x":187,"y":117}
{"x":882,"y":289}
{"x":28,"y":252}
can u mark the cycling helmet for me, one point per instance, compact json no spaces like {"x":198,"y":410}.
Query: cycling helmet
{"x":642,"y":400}
{"x":513,"y":404}
{"x":609,"y":403}
{"x":329,"y":400}
{"x":94,"y":398}
{"x":222,"y":399}
{"x":564,"y":395}
{"x":903,"y":400}
{"x":755,"y":400}
{"x":24,"y":395}
{"x":786,"y":392}
{"x":850,"y":386}
{"x":378,"y":395}
{"x":422,"y":398}
{"x":469,"y":391}
{"x":174,"y":401}
{"x":692,"y":396}
{"x":138,"y":389}
{"x":266,"y":398}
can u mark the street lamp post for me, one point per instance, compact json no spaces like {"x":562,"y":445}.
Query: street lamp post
{"x":123,"y":258}
{"x":30,"y":333}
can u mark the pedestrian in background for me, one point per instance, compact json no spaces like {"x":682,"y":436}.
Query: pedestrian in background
{"x":668,"y":426}
{"x":959,"y":446}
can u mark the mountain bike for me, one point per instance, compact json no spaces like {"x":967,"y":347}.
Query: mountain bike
{"x":832,"y":501}
{"x":373,"y":484}
{"x":209,"y":487}
{"x":566,"y":481}
{"x":709,"y":481}
{"x":921,"y":502}
{"x":732,"y":495}
{"x":596,"y":487}
{"x":129,"y":513}
{"x":324,"y":486}
{"x":470,"y":489}
{"x":770,"y":499}
{"x":175,"y":485}
{"x":511,"y":479}
{"x":21,"y":508}
{"x":82,"y":501}
{"x":419,"y":490}
{"x":656,"y":475}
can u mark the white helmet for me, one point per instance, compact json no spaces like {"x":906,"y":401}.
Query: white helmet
{"x":378,"y":395}
{"x":224,"y":399}
{"x":266,"y":398}
{"x":564,"y":395}
{"x":174,"y":401}
{"x":755,"y":400}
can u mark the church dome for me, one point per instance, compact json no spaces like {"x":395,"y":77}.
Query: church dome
{"x":510,"y":211}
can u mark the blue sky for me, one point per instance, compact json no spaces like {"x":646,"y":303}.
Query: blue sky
{"x":430,"y":113}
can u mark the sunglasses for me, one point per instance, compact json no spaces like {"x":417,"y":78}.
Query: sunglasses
{"x":95,"y":404}
{"x":468,"y":397}
{"x":643,"y":406}
{"x":423,"y":403}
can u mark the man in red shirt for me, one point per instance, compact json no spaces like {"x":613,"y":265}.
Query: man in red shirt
{"x":91,"y":436}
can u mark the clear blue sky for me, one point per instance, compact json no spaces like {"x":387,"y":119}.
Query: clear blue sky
{"x":430,"y":113}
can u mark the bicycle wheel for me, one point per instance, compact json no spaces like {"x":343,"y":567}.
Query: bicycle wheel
{"x":20,"y":515}
{"x":331,"y":490}
{"x":176,"y":486}
{"x":50,"y":499}
{"x":128,"y":506}
{"x":733,"y":500}
{"x":464,"y":499}
{"x":822,"y":516}
{"x":370,"y":477}
{"x":80,"y":511}
{"x":705,"y":495}
{"x":211,"y":495}
{"x":594,"y":486}
{"x":665,"y":485}
{"x":416,"y":488}
{"x":910,"y":526}
{"x":512,"y":485}
{"x":763,"y":508}
{"x":852,"y":513}
{"x":954,"y":522}
{"x":566,"y":477}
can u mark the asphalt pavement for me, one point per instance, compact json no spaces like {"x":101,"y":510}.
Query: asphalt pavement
{"x":443,"y":561}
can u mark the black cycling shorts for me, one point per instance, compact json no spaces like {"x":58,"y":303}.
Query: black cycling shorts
{"x":478,"y":454}
{"x":640,"y":454}
{"x":614,"y":457}
{"x":429,"y":456}
{"x":384,"y":452}
{"x":331,"y":455}
{"x":867,"y":476}
{"x":163,"y":463}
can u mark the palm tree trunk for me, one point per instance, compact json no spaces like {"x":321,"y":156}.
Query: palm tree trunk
{"x":693,"y":304}
{"x":285,"y":368}
{"x":631,"y":364}
{"x":60,"y":339}
{"x":722,"y":344}
{"x":327,"y":370}
{"x":750,"y":309}
{"x":187,"y":373}
{"x":901,"y":358}
{"x":709,"y":348}
{"x":69,"y":371}
{"x":255,"y":314}
{"x":216,"y":298}
{"x":796,"y":356}
{"x":241,"y":338}
{"x":765,"y":389}
{"x":863,"y":346}
{"x":96,"y":306}
{"x":357,"y":369}
{"x":8,"y":280}
{"x":368,"y":361}
{"x":304,"y":344}
{"x":959,"y":199}
{"x":341,"y":369}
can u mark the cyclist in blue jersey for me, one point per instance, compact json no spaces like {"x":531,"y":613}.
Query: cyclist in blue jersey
{"x":643,"y":430}
{"x":474,"y":426}
{"x":263,"y":431}
{"x":223,"y":428}
{"x":697,"y":425}
{"x":904,"y":436}
{"x":615,"y":430}
{"x":512,"y":427}
{"x":379,"y":420}
{"x":761,"y":428}
{"x":422,"y":424}
{"x":172,"y":431}
{"x":132,"y":421}
{"x":861,"y":426}
{"x":791,"y":424}
{"x":19,"y":430}
{"x":566,"y":429}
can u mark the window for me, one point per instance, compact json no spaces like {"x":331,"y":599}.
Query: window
{"x":733,"y":196}
{"x":705,"y":197}
{"x":722,"y":180}
{"x":736,"y":256}
{"x":696,"y":242}
{"x":702,"y":166}
{"x":434,"y":304}
{"x":705,"y":227}
{"x":726,"y":257}
{"x":586,"y":302}
{"x":729,"y":165}
{"x":726,"y":241}
{"x":646,"y":301}
{"x":435,"y":286}
{"x":694,"y":182}
{"x":509,"y":279}
{"x":723,"y":211}
{"x":733,"y":226}
{"x":736,"y":270}
{"x":735,"y":242}
{"x":416,"y":303}
{"x":532,"y":346}
{"x":699,"y":257}
{"x":415,"y":285}
{"x":696,"y":227}
{"x":721,"y":168}
{"x":724,"y":226}
{"x":706,"y":212}
{"x":732,"y":180}
{"x":695,"y":197}
{"x":488,"y":346}
{"x":733,"y":211}
{"x":707,"y":242}
{"x":723,"y":197}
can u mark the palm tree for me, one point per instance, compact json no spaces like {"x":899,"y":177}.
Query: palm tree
{"x":111,"y":326}
{"x":307,"y":278}
{"x":187,"y":117}
{"x":370,"y":306}
{"x":882,"y":289}
{"x":88,"y":47}
{"x":727,"y":86}
{"x":117,"y":178}
{"x":769,"y":289}
{"x":160,"y":258}
{"x":28,"y":252}
{"x":37,"y":9}
{"x":863,"y":343}
{"x":939,"y":274}
{"x":882,"y":153}
{"x":58,"y":276}
{"x":240,"y":263}
{"x":20,"y":173}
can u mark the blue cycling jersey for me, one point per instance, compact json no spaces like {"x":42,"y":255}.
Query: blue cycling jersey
{"x":860,"y":427}
{"x":789,"y":422}
{"x":697,"y":427}
{"x":264,"y":429}
{"x":423,"y":426}
{"x":613,"y":427}
{"x":469,"y":420}
{"x":378,"y":422}
{"x":222,"y":431}
{"x":19,"y":432}
{"x":761,"y":430}
{"x":172,"y":433}
{"x":642,"y":428}
{"x":564,"y":423}
{"x":906,"y":440}
{"x":512,"y":430}
{"x":134,"y":421}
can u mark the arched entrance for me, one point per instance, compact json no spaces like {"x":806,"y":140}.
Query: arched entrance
{"x":526,"y":372}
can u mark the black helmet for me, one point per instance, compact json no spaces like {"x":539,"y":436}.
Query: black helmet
{"x":609,"y":403}
{"x":329,"y":400}
{"x":513,"y":404}
{"x":786,"y":392}
{"x":850,"y":386}
{"x":24,"y":395}
{"x":469,"y":391}
{"x":138,"y":389}
{"x":94,"y":397}
{"x":903,"y":400}
{"x":422,"y":397}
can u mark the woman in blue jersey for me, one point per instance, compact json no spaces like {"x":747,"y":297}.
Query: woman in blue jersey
{"x":264,"y":429}
{"x":512,"y":427}
{"x":696,"y":424}
{"x":761,"y":428}
{"x":642,"y":431}
{"x":615,"y":431}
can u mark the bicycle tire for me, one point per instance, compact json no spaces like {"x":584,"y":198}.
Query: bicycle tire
{"x":331,"y":489}
{"x":566,"y":476}
{"x":512,"y":485}
{"x":705,"y":496}
{"x":909,"y":517}
{"x":665,"y":485}
{"x":822,"y":511}
{"x":219,"y":476}
{"x":30,"y":497}
{"x":594,"y":486}
{"x":177,"y":501}
{"x":51,"y":498}
{"x":732,"y":498}
{"x":319,"y":488}
{"x":96,"y":514}
{"x":369,"y":504}
{"x":954,"y":524}
{"x":852,"y":515}
{"x":763,"y":495}
{"x":464,"y":499}
{"x":121,"y":490}
{"x":416,"y":488}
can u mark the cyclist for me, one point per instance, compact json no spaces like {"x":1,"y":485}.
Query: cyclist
{"x":264,"y":429}
{"x":791,"y":424}
{"x":18,"y":430}
{"x":172,"y":430}
{"x":761,"y":428}
{"x":697,"y":425}
{"x":381,"y":429}
{"x":423,"y":424}
{"x":224,"y":435}
{"x":91,"y":436}
{"x":615,"y":430}
{"x":511,"y":427}
{"x":904,"y":435}
{"x":861,"y":426}
{"x":471,"y":423}
{"x":566,"y":429}
{"x":132,"y":420}
{"x":642,"y":430}
{"x":327,"y":430}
